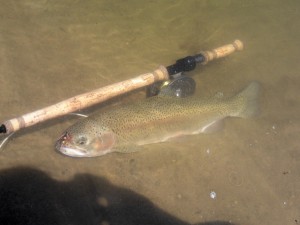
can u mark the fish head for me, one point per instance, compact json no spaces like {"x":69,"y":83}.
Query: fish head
{"x":85,"y":139}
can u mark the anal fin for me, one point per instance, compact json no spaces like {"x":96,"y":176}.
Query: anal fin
{"x":211,"y":127}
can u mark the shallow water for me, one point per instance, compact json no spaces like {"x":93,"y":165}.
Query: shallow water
{"x":52,"y":50}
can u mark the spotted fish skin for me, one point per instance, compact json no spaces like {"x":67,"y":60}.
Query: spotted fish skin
{"x":156,"y":119}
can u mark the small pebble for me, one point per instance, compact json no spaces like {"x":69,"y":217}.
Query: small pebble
{"x":213,"y":195}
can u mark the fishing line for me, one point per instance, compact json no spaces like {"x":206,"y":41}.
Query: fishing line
{"x":5,"y":140}
{"x":78,"y":114}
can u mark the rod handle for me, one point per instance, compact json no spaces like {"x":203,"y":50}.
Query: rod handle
{"x":83,"y":100}
{"x":223,"y":51}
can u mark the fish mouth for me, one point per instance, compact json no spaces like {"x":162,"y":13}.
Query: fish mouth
{"x":71,"y":152}
{"x":61,"y":147}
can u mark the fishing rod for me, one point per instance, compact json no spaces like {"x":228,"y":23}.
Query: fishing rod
{"x":102,"y":94}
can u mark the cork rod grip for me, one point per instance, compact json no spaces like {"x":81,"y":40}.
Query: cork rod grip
{"x":223,"y":51}
{"x":85,"y":100}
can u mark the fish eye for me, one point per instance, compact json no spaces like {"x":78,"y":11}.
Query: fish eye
{"x":81,"y":140}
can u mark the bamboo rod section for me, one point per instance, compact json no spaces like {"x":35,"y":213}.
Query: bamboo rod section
{"x":102,"y":94}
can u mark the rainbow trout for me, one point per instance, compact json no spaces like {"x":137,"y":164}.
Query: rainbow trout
{"x":156,"y":119}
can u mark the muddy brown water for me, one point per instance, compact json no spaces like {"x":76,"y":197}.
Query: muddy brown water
{"x":52,"y":50}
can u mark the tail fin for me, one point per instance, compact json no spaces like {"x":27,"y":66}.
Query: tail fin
{"x":248,"y":101}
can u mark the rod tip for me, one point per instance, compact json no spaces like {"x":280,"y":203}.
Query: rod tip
{"x":3,"y":129}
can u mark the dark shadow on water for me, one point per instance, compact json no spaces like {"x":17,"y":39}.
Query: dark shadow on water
{"x":29,"y":196}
